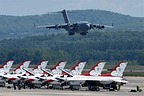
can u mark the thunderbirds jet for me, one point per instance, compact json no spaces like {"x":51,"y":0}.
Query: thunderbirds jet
{"x":36,"y":76}
{"x":76,"y":70}
{"x":36,"y":71}
{"x":10,"y":77}
{"x":81,"y":27}
{"x":112,"y":80}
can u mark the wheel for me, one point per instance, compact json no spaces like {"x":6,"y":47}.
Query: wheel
{"x":94,"y":88}
{"x":71,"y":33}
{"x":97,"y":88}
{"x":83,"y":33}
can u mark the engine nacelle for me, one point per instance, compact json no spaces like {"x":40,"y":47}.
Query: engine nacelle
{"x":71,"y":26}
{"x":58,"y":26}
{"x":97,"y":26}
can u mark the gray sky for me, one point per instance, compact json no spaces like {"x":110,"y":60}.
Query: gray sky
{"x":37,"y":7}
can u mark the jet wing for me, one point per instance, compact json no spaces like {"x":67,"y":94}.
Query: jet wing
{"x":47,"y":71}
{"x":98,"y":26}
{"x":46,"y":26}
{"x":28,"y":71}
{"x":67,"y":72}
{"x":121,"y":81}
{"x":57,"y":26}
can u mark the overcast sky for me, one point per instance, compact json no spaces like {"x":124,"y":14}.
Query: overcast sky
{"x":37,"y":7}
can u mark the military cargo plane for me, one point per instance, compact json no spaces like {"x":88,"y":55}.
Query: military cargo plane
{"x":81,"y":27}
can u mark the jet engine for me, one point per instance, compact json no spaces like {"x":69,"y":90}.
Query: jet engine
{"x":71,"y":26}
{"x":97,"y":26}
{"x":58,"y":26}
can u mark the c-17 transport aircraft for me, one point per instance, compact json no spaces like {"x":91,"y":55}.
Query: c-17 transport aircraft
{"x":81,"y":27}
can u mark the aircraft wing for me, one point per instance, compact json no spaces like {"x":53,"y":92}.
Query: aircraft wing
{"x":98,"y":26}
{"x":57,"y":26}
{"x":28,"y":71}
{"x":121,"y":81}
{"x":46,"y":26}
{"x":67,"y":72}
{"x":108,"y":26}
{"x":3,"y":77}
{"x":46,"y":71}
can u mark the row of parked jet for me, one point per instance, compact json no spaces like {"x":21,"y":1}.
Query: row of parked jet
{"x":58,"y":77}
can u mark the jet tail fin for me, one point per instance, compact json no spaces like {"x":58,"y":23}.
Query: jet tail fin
{"x":76,"y":70}
{"x":96,"y":70}
{"x":58,"y":68}
{"x":6,"y":66}
{"x":118,"y":70}
{"x":65,"y":15}
{"x":39,"y":67}
{"x":20,"y":69}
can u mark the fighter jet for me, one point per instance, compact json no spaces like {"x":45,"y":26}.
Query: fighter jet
{"x":81,"y":27}
{"x":112,"y":80}
{"x":14,"y":76}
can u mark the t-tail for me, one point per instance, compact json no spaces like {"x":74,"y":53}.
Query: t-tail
{"x":118,"y":70}
{"x":5,"y":68}
{"x":21,"y":67}
{"x":96,"y":70}
{"x":57,"y":70}
{"x":65,"y":15}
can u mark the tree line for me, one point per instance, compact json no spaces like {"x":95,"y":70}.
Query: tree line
{"x":95,"y":46}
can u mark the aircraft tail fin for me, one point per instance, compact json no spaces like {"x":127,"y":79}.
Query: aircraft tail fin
{"x":65,"y":15}
{"x":20,"y":69}
{"x":96,"y":70}
{"x":6,"y":66}
{"x":118,"y":70}
{"x":40,"y":66}
{"x":77,"y":69}
{"x":58,"y":68}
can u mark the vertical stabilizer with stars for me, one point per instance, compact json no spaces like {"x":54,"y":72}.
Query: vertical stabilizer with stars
{"x":5,"y":68}
{"x":96,"y":70}
{"x":21,"y":67}
{"x":118,"y":70}
{"x":57,"y":70}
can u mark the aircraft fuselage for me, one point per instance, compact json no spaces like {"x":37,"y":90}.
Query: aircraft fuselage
{"x":79,"y":27}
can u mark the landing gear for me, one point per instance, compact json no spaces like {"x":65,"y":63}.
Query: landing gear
{"x":113,"y":87}
{"x":83,"y":33}
{"x":117,"y":87}
{"x":75,"y":87}
{"x":94,"y":88}
{"x":71,"y":33}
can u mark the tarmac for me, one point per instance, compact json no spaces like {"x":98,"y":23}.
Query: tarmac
{"x":125,"y":90}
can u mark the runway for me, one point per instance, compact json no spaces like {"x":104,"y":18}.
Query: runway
{"x":125,"y":90}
